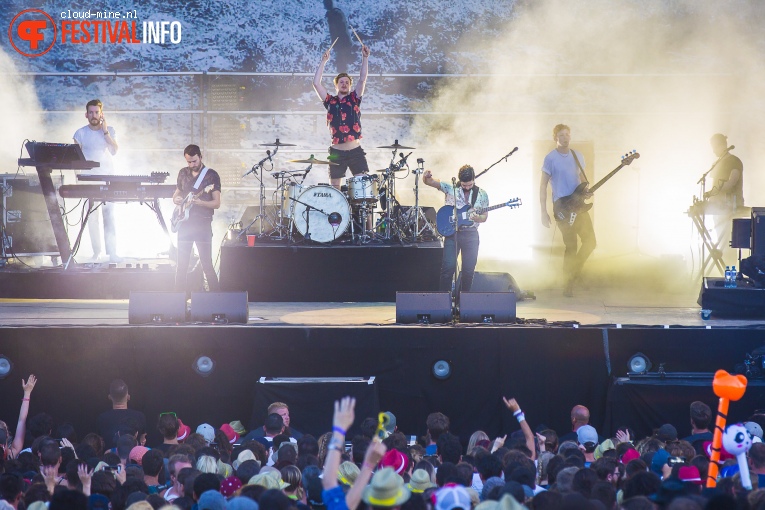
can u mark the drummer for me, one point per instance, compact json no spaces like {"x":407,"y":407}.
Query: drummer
{"x":344,"y":119}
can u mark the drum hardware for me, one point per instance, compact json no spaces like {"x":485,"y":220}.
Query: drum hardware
{"x":416,"y":214}
{"x":389,"y":185}
{"x":257,"y":169}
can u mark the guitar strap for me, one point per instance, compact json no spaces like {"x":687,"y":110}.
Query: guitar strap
{"x":474,"y":196}
{"x":201,"y":178}
{"x":579,"y":165}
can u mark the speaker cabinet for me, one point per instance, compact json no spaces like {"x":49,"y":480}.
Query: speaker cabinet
{"x":220,"y":307}
{"x":489,"y":307}
{"x":423,"y":307}
{"x":157,"y":307}
{"x":741,"y":233}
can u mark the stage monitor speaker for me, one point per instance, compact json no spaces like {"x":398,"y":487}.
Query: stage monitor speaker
{"x":157,"y":307}
{"x":489,"y":307}
{"x":220,"y":307}
{"x":423,"y":307}
{"x":741,"y":233}
{"x":494,"y":282}
{"x":758,"y":231}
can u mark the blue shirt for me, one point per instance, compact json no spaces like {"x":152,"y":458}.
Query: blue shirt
{"x":334,"y":498}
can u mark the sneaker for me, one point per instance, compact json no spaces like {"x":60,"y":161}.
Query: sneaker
{"x":114,"y":259}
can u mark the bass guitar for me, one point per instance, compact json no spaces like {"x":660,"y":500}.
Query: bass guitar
{"x":181,"y":212}
{"x":445,"y":216}
{"x":566,"y":208}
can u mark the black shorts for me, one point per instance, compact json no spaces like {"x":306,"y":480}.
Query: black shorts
{"x":355,"y":159}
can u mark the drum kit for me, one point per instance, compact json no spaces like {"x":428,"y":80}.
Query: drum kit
{"x":323,"y":214}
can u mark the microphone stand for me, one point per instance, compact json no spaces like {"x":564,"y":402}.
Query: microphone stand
{"x":262,"y":202}
{"x":496,"y":162}
{"x":308,"y":208}
{"x":455,"y":218}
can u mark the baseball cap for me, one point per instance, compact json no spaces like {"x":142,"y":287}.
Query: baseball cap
{"x":659,"y":459}
{"x":667,"y":432}
{"x":452,"y":496}
{"x":390,"y":425}
{"x":587,"y":434}
{"x":754,"y":428}
{"x":207,"y":431}
{"x":396,"y":460}
{"x":231,"y":434}
{"x":690,"y":474}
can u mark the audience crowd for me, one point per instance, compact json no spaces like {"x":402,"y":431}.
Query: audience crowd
{"x":274,"y":467}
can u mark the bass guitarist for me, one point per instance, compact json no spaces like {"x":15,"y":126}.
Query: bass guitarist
{"x":466,"y":239}
{"x":197,"y":229}
{"x":563,"y":169}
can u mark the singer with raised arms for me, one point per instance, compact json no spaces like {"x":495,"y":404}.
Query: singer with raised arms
{"x":465,"y":240}
{"x":344,"y":119}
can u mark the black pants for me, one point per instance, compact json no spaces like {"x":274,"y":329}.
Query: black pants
{"x":197,"y":231}
{"x":355,"y":159}
{"x":467,"y":242}
{"x":575,"y":256}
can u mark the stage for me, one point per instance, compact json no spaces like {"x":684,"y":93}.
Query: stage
{"x":561,"y":352}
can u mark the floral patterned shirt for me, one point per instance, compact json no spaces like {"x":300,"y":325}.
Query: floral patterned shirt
{"x":343,"y":117}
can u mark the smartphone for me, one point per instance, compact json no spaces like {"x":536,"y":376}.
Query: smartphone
{"x":117,"y":468}
{"x":673,"y":461}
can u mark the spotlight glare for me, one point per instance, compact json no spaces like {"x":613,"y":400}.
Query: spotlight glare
{"x":5,"y":366}
{"x":203,"y":365}
{"x":442,"y":369}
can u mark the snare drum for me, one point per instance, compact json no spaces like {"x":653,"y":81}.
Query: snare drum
{"x":292,"y":190}
{"x":329,"y":216}
{"x":363,"y":188}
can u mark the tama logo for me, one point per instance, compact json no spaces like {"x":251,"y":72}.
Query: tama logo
{"x":323,"y":195}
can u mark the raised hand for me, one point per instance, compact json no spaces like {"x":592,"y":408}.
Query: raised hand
{"x":84,"y":473}
{"x":511,"y":404}
{"x":325,"y":57}
{"x":375,"y":453}
{"x":365,"y":51}
{"x":344,"y":413}
{"x":622,"y":436}
{"x":28,"y":385}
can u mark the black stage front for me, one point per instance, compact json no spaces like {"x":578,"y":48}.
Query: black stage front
{"x":315,"y":273}
{"x":549,"y":369}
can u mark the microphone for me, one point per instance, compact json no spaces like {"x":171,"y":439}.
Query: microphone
{"x":730,"y":148}
{"x":454,"y":182}
{"x":403,"y":162}
{"x":510,"y":154}
{"x":268,"y":152}
{"x":308,"y":170}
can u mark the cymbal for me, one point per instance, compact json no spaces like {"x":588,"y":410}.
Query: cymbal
{"x":389,"y":170}
{"x":312,"y":161}
{"x":396,"y":146}
{"x":277,"y":143}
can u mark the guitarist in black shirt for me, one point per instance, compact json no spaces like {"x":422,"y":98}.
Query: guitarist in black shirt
{"x":198,"y":193}
{"x":563,"y":169}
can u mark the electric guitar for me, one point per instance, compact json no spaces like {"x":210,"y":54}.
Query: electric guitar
{"x":445,"y":216}
{"x":566,"y":208}
{"x":181,"y":212}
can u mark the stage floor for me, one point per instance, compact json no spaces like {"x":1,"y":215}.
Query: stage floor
{"x":589,"y":308}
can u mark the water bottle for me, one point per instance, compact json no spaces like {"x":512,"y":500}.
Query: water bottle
{"x":733,"y":277}
{"x":727,"y":277}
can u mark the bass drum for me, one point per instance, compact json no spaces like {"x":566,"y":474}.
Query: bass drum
{"x":328,"y":217}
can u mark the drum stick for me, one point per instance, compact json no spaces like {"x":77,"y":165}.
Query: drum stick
{"x":357,"y":36}
{"x":333,"y":43}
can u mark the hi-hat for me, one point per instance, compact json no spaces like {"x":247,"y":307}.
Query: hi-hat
{"x":312,"y":161}
{"x":277,"y":143}
{"x":396,"y":146}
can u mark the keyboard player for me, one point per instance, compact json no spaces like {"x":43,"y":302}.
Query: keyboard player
{"x":99,"y":143}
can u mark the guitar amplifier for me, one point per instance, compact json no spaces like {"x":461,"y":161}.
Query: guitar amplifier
{"x":26,"y":224}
